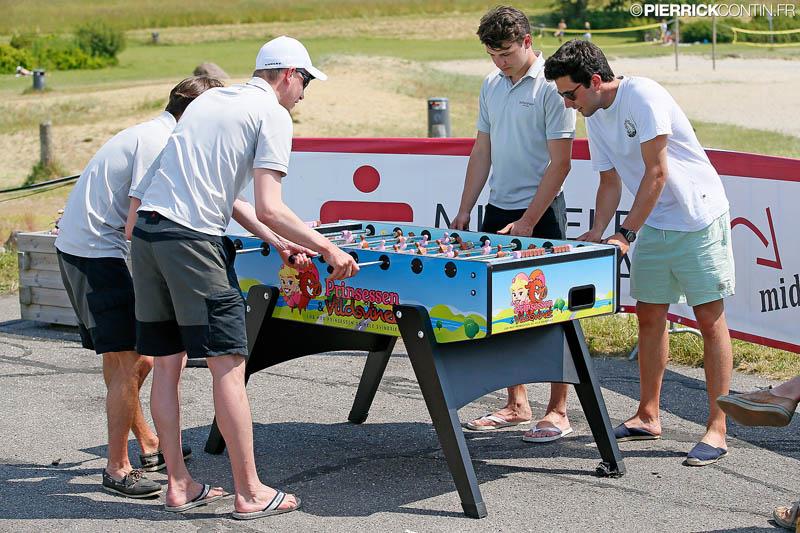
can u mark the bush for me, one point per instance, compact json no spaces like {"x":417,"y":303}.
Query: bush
{"x":53,"y":52}
{"x":11,"y":57}
{"x":22,"y":40}
{"x":701,"y":30}
{"x":100,"y":40}
{"x":58,"y":53}
{"x":41,"y":172}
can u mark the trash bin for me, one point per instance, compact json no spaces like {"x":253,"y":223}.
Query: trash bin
{"x":438,"y":117}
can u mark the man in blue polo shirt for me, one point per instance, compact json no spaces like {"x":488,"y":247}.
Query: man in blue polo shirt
{"x":525,"y":137}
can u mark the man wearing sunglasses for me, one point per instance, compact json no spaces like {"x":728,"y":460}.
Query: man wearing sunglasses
{"x":188,"y":300}
{"x":639,"y":136}
{"x":525,"y":139}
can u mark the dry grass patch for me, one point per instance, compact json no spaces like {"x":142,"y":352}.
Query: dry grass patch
{"x":443,"y":27}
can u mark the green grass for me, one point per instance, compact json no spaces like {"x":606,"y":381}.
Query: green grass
{"x":9,"y":279}
{"x":56,"y":15}
{"x":616,"y":336}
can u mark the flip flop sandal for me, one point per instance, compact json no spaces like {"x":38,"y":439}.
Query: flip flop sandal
{"x":549,"y":438}
{"x":199,"y":501}
{"x":497,"y":423}
{"x":270,"y":510}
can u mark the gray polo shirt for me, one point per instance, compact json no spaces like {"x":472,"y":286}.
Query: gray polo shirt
{"x":209,"y":159}
{"x":94,"y":219}
{"x":520,"y":119}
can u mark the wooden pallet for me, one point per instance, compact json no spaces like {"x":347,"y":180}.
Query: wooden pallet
{"x":41,"y":292}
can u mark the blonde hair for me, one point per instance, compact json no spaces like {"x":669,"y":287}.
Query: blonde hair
{"x":287,"y":272}
{"x":520,"y":281}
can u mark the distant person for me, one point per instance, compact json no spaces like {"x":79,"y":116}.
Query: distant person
{"x":91,"y":249}
{"x":640,"y":137}
{"x":663,"y":28}
{"x":524,"y":148}
{"x":587,"y":35}
{"x":772,"y":407}
{"x":559,"y":33}
{"x":189,"y":303}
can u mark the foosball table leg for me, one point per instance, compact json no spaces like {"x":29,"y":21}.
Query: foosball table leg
{"x":370,"y":379}
{"x":422,"y":351}
{"x":589,"y":394}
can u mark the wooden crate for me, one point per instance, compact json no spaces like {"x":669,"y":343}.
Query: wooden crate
{"x":41,"y":293}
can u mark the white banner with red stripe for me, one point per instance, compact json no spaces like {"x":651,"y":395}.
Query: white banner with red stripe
{"x":420,"y":181}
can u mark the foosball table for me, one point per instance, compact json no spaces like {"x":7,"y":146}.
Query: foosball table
{"x":460,"y":300}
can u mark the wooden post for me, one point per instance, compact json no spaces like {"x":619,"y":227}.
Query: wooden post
{"x":713,"y":42}
{"x":676,"y":39}
{"x":45,"y":144}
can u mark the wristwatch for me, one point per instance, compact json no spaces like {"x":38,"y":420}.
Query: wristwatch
{"x":629,"y":235}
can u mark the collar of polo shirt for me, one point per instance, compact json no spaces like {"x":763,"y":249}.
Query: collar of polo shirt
{"x":533,"y":71}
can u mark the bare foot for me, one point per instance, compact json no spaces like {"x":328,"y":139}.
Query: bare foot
{"x":177,"y":496}
{"x":715,"y":439}
{"x":510,"y":416}
{"x":652,"y":426}
{"x":262,"y":499}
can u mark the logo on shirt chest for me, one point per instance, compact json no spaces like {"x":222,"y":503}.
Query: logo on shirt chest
{"x":527,"y":104}
{"x":630,"y":128}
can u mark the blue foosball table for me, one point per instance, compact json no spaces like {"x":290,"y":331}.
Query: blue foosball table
{"x":460,"y":300}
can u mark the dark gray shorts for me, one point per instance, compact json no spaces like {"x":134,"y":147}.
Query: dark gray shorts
{"x":552,"y":225}
{"x":101,"y":292}
{"x":187,"y":294}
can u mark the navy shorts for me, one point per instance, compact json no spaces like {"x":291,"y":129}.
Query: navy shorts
{"x":101,"y":292}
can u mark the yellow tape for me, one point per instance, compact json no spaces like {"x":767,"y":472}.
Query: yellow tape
{"x":767,"y":45}
{"x":765,"y":32}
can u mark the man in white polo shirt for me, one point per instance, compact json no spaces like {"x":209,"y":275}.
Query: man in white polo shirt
{"x":187,"y":294}
{"x":679,"y":218}
{"x":525,"y":137}
{"x":91,"y":251}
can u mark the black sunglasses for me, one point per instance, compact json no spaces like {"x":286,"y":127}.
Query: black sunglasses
{"x":570,"y":95}
{"x":306,"y":77}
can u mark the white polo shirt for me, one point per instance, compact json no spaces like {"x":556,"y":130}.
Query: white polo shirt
{"x":97,"y":208}
{"x":693,"y":195}
{"x":520,"y":118}
{"x":222,"y":136}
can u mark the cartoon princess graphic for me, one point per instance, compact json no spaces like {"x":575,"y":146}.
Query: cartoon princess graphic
{"x":290,"y":286}
{"x":519,"y":290}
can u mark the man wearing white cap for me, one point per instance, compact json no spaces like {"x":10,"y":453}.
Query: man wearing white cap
{"x":188,"y":297}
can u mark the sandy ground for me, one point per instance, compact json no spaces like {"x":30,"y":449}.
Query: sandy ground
{"x":753,"y":93}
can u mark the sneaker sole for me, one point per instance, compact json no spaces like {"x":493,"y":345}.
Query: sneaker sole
{"x":136,"y":496}
{"x":750,"y":413}
{"x":161,"y":466}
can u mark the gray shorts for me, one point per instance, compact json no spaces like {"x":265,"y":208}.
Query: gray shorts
{"x":101,"y":293}
{"x":187,"y":294}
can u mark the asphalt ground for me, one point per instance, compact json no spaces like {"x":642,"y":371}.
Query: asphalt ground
{"x":387,"y":474}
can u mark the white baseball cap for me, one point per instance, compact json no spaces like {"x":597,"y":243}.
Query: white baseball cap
{"x":285,"y":52}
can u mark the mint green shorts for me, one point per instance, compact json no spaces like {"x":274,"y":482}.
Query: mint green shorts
{"x":695,"y":267}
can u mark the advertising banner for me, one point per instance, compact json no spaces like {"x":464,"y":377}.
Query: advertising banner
{"x":420,"y":181}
